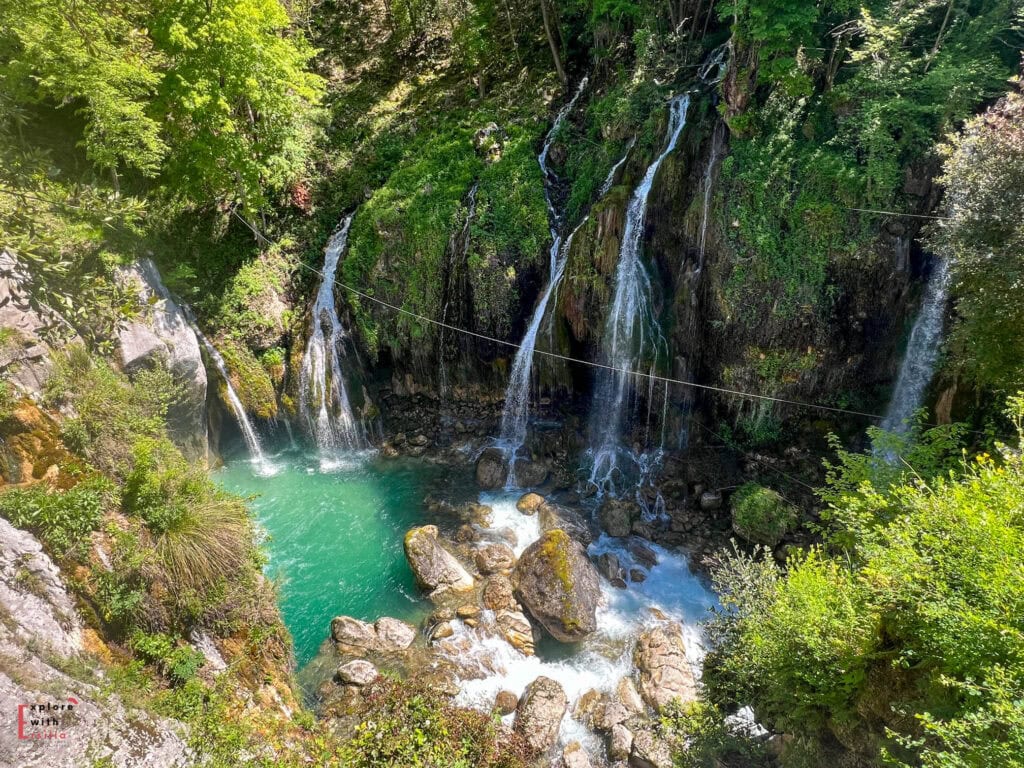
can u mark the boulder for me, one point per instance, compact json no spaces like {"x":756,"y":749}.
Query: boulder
{"x":649,"y":751}
{"x":393,"y":635}
{"x":608,"y":566}
{"x":711,"y":500}
{"x":642,"y":553}
{"x":539,"y":713}
{"x":494,"y":558}
{"x":616,"y":516}
{"x":164,"y":335}
{"x":353,"y":633}
{"x":436,"y":570}
{"x":559,"y":586}
{"x":665,"y":674}
{"x":386,"y":635}
{"x":529,"y":503}
{"x":505,"y":702}
{"x":620,"y":743}
{"x":499,"y":594}
{"x":517,"y":630}
{"x":628,"y":696}
{"x":491,"y":469}
{"x":530,"y":474}
{"x":572,"y":521}
{"x":357,"y":672}
{"x":574,"y":756}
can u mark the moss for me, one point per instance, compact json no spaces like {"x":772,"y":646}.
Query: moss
{"x":760,"y":515}
{"x":250,"y":380}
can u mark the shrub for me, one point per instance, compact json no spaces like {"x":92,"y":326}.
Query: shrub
{"x":179,"y":662}
{"x":702,"y":739}
{"x":415,"y":726}
{"x":161,"y":486}
{"x":760,"y":515}
{"x":210,"y":543}
{"x":62,"y":519}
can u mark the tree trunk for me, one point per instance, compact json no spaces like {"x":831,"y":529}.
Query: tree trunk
{"x":550,"y":32}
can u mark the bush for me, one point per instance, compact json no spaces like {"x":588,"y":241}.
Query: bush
{"x":415,"y":726}
{"x":760,"y":515}
{"x":161,"y":487}
{"x":179,"y":662}
{"x":62,"y":519}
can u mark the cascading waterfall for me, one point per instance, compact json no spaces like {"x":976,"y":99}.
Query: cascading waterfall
{"x":252,"y":440}
{"x":922,"y":353}
{"x":708,"y":184}
{"x":323,"y":398}
{"x":631,"y":331}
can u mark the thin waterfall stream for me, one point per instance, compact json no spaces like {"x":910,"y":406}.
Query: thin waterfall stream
{"x":922,"y":353}
{"x":323,"y":397}
{"x":632,"y":333}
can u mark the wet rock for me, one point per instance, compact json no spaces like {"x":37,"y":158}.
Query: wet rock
{"x":574,"y":756}
{"x":609,"y":567}
{"x":499,"y":594}
{"x":665,"y":674}
{"x":529,"y":503}
{"x":491,"y":470}
{"x":649,"y":751}
{"x":637,"y":576}
{"x":539,"y":713}
{"x":358,"y":672}
{"x":386,"y":635}
{"x":616,"y":516}
{"x":517,"y":630}
{"x":393,"y":634}
{"x":628,"y":696}
{"x":467,"y":612}
{"x":467,"y":534}
{"x":559,"y":586}
{"x":711,"y":500}
{"x":642,"y":553}
{"x":436,"y":570}
{"x":620,"y":743}
{"x":353,"y":633}
{"x":610,"y":714}
{"x":530,"y":474}
{"x":494,"y":558}
{"x":555,"y":516}
{"x":442,"y":631}
{"x":505,"y":702}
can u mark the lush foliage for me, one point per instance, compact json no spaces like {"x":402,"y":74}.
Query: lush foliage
{"x":898,"y":636}
{"x":760,"y":515}
{"x":63,"y":519}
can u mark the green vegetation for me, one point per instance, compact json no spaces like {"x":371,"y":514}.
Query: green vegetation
{"x":62,"y":519}
{"x":760,"y":515}
{"x":900,"y":636}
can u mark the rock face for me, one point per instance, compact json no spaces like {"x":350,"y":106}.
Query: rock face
{"x":574,"y":756}
{"x":386,"y":635}
{"x":530,"y":474}
{"x":665,"y":674}
{"x":539,"y":713}
{"x":43,"y":624}
{"x":33,"y":331}
{"x":649,"y":751}
{"x":163,"y":336}
{"x":436,"y":570}
{"x":616,"y":516}
{"x":559,"y":586}
{"x":491,"y":470}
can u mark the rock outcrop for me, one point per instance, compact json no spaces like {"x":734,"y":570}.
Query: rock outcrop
{"x":435,"y":568}
{"x":491,"y":469}
{"x":163,"y":336}
{"x":616,"y":516}
{"x":386,"y":635}
{"x":494,"y":558}
{"x":665,"y":673}
{"x":559,"y":586}
{"x":358,"y":672}
{"x":539,"y":713}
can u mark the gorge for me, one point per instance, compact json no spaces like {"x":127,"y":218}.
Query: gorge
{"x":511,"y":385}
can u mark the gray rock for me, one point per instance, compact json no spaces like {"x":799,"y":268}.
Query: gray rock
{"x":711,"y":500}
{"x":642,"y":553}
{"x":608,"y":565}
{"x":559,"y":586}
{"x":529,"y":503}
{"x":628,"y":696}
{"x":386,"y":635}
{"x":572,"y":521}
{"x":539,"y":713}
{"x":530,"y":474}
{"x":616,"y":516}
{"x":436,"y":570}
{"x":649,"y":751}
{"x":491,"y":470}
{"x":353,"y":633}
{"x":393,"y":635}
{"x":665,"y":674}
{"x":163,"y":336}
{"x":494,"y":558}
{"x":574,"y":756}
{"x":499,"y":594}
{"x":505,"y":702}
{"x":620,"y":743}
{"x":357,"y":672}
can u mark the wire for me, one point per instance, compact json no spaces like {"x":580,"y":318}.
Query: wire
{"x":591,"y":363}
{"x":897,"y":213}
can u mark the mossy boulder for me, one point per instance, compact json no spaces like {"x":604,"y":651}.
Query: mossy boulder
{"x":760,"y":515}
{"x":435,"y":568}
{"x":559,"y":586}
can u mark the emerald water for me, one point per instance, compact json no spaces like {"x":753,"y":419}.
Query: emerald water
{"x":335,"y":536}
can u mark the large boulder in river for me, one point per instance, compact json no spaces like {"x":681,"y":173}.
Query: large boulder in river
{"x":529,"y":473}
{"x":491,"y":469}
{"x":494,"y":558}
{"x":386,"y":635}
{"x":539,"y":713}
{"x":665,"y":673}
{"x":617,"y":516}
{"x":162,"y":335}
{"x":435,"y":568}
{"x":559,"y":586}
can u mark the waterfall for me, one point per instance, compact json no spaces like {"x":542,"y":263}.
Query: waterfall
{"x":252,"y":440}
{"x":323,"y":399}
{"x":610,"y":178}
{"x":922,"y":353}
{"x":708,"y":183}
{"x":631,"y":331}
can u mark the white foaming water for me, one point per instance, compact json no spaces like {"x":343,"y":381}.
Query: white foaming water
{"x":324,"y":401}
{"x":631,"y":331}
{"x":252,"y":440}
{"x":922,"y":353}
{"x":609,"y":180}
{"x":603,"y":659}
